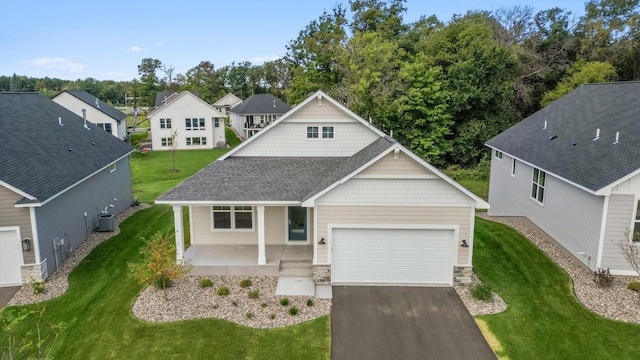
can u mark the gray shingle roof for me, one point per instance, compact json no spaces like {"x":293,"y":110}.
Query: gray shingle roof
{"x":34,"y":148}
{"x":261,"y":104}
{"x":573,"y":120}
{"x":162,"y":95}
{"x":104,"y":107}
{"x":270,"y":178}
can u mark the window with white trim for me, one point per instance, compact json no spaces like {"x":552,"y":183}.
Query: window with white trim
{"x":194,"y":124}
{"x":636,"y":227}
{"x":232,"y":217}
{"x":216,"y":122}
{"x":194,"y":141}
{"x":105,"y":126}
{"x":538,"y":185}
{"x":165,"y":123}
{"x":513,"y":168}
{"x":327,"y":132}
{"x":166,"y":141}
{"x":112,"y":167}
{"x":498,"y":155}
{"x":312,"y":132}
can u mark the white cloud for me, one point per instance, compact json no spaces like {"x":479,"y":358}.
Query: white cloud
{"x":259,"y":59}
{"x":57,"y":63}
{"x":136,"y":48}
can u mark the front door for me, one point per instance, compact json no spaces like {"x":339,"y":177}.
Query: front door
{"x":297,"y":223}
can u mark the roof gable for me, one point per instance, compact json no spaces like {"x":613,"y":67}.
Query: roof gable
{"x":163,"y":96}
{"x":40,"y":157}
{"x":96,"y":104}
{"x":566,"y":147}
{"x":261,"y":104}
{"x":177,"y":98}
{"x":229,"y":99}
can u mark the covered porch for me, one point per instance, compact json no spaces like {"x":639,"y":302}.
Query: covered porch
{"x":281,"y":260}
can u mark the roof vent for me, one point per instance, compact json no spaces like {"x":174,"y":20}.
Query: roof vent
{"x":597,"y":135}
{"x":97,"y":103}
{"x":84,"y":117}
{"x":93,"y":143}
{"x":60,"y":121}
{"x":391,"y":133}
{"x":274,"y":102}
{"x":70,"y":149}
{"x":574,"y":144}
{"x":545,"y":125}
{"x":319,"y":100}
{"x":553,"y":137}
{"x":617,"y":138}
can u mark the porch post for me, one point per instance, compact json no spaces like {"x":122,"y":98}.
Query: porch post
{"x":262,"y":259}
{"x":177,"y":221}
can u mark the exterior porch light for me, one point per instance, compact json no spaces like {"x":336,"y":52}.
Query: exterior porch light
{"x":26,"y":244}
{"x":464,"y":243}
{"x":321,"y":242}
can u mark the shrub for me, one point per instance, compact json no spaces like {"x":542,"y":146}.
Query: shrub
{"x":293,"y":311}
{"x":272,"y":316}
{"x":481,"y":291}
{"x":36,"y":286}
{"x":264,"y":304}
{"x":234,"y":303}
{"x":223,"y":291}
{"x":284,"y":301}
{"x":254,"y":294}
{"x":634,"y":285}
{"x":602,"y":278}
{"x":249,"y":315}
{"x":245,"y":283}
{"x":310,"y":302}
{"x":205,"y":283}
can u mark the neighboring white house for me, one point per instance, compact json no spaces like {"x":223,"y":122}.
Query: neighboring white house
{"x":225,"y":103}
{"x":198,"y":124}
{"x":573,"y":168}
{"x":57,"y":177}
{"x":321,"y":185}
{"x":256,"y":112}
{"x":97,"y":111}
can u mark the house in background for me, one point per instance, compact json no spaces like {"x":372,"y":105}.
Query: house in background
{"x":163,"y":96}
{"x":97,"y":111}
{"x":58,"y":174}
{"x":198,"y":124}
{"x":573,"y":169}
{"x":321,"y":193}
{"x":225,"y":103}
{"x":256,"y":112}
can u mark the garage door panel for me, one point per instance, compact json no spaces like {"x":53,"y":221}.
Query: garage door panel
{"x":10,"y":257}
{"x":392,"y":256}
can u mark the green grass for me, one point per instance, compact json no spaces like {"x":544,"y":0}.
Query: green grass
{"x":544,"y":320}
{"x":152,"y":174}
{"x":478,"y":187}
{"x":232,"y":139}
{"x":100,"y":297}
{"x":141,"y":122}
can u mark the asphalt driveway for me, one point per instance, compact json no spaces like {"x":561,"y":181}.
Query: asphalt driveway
{"x":380,"y":322}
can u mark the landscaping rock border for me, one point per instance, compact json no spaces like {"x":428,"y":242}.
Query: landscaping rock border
{"x":616,"y":302}
{"x":58,"y":283}
{"x":187,"y":300}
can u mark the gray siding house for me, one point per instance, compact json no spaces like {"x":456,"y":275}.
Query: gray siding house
{"x":58,"y":174}
{"x":255,"y":112}
{"x":573,"y":168}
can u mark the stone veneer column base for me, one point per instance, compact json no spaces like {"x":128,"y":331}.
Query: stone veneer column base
{"x":462,"y":275}
{"x":322,"y":274}
{"x":37,"y":271}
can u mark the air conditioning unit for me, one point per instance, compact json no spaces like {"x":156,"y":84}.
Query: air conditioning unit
{"x":106,"y":222}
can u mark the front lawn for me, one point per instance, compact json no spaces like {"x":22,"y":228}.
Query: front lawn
{"x":544,"y":320}
{"x":100,"y":297}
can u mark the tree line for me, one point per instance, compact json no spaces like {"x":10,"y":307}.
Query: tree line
{"x":444,"y":88}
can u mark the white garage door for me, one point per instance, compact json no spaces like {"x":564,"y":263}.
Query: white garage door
{"x":10,"y":257}
{"x":392,"y":256}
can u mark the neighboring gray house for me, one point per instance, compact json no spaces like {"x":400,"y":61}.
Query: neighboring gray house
{"x":96,"y":111}
{"x":57,"y":175}
{"x":573,"y":168}
{"x":256,"y":112}
{"x":321,"y":192}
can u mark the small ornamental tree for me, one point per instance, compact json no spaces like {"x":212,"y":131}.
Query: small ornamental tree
{"x":158,"y":264}
{"x":173,"y":142}
{"x":630,"y":248}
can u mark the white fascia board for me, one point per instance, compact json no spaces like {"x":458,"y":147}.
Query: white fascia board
{"x":552,"y":174}
{"x":213,"y":203}
{"x":16,"y":190}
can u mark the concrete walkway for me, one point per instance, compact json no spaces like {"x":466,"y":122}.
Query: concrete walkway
{"x":395,"y":322}
{"x":6,"y":294}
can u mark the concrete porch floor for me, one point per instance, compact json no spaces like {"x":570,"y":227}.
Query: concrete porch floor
{"x":243,"y":259}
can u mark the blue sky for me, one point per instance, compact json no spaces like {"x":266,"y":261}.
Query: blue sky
{"x":76,"y":39}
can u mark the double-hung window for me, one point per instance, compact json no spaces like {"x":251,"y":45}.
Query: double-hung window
{"x":498,"y":155}
{"x":538,"y":185}
{"x":327,"y":132}
{"x":165,"y":123}
{"x":232,"y":217}
{"x":192,"y":141}
{"x":216,"y":122}
{"x":194,"y":124}
{"x":312,"y":132}
{"x":166,"y":141}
